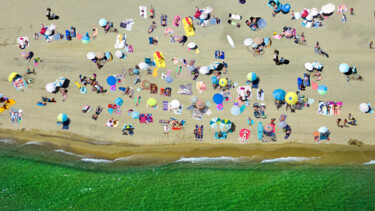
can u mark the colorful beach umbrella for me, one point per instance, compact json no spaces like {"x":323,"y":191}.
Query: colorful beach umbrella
{"x":291,"y":98}
{"x":85,"y":39}
{"x":248,"y":42}
{"x":317,"y":65}
{"x":128,"y":127}
{"x":100,"y":54}
{"x":251,"y":76}
{"x":235,"y":110}
{"x":175,"y":103}
{"x":135,"y":115}
{"x":169,"y":79}
{"x":119,"y":54}
{"x":279,"y":94}
{"x":322,"y":90}
{"x":12,"y":75}
{"x":215,"y":122}
{"x":111,"y":80}
{"x":102,"y":22}
{"x":223,"y":82}
{"x":344,"y":68}
{"x":62,"y":117}
{"x":225,"y":125}
{"x":266,"y":41}
{"x":218,"y":98}
{"x":268,"y":129}
{"x":90,"y":55}
{"x":146,"y":85}
{"x":143,"y":66}
{"x":200,"y":104}
{"x":151,"y":101}
{"x":245,"y":133}
{"x":193,"y":100}
{"x":108,"y":56}
{"x":323,"y":129}
{"x":364,"y":107}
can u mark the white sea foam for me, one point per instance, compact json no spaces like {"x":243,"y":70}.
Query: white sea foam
{"x":287,"y":159}
{"x":34,"y":142}
{"x":124,"y":158}
{"x":7,"y":141}
{"x":372,"y":162}
{"x":68,"y":153}
{"x":206,"y":159}
{"x":96,"y":160}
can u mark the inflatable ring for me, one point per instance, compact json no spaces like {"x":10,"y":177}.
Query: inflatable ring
{"x":219,"y":107}
{"x":194,"y":100}
{"x":83,"y":90}
{"x":113,"y":88}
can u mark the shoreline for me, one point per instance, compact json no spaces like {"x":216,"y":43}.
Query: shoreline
{"x":164,"y":154}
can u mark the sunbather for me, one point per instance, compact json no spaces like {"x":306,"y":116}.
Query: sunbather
{"x":164,"y":20}
{"x":234,"y":23}
{"x":152,"y":12}
{"x":152,"y":27}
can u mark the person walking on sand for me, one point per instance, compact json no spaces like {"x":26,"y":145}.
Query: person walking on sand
{"x":338,"y":123}
{"x":370,"y":45}
{"x":48,"y":14}
{"x":94,"y":31}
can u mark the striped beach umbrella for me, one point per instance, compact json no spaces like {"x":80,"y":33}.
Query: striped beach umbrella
{"x":291,"y":98}
{"x":317,"y":65}
{"x":194,"y":100}
{"x":200,"y":104}
{"x":225,"y":125}
{"x":268,"y":129}
{"x":215,"y":122}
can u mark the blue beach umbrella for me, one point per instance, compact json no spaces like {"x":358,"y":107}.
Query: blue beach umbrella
{"x":215,"y":122}
{"x":135,"y":115}
{"x":62,"y":117}
{"x":262,"y":23}
{"x":214,"y":80}
{"x":279,"y":94}
{"x":317,"y":65}
{"x":344,"y":68}
{"x":322,"y":90}
{"x":102,"y":22}
{"x":218,"y":98}
{"x":169,"y":79}
{"x":111,"y":80}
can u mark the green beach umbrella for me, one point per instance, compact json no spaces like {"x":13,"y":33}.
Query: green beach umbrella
{"x":151,"y":101}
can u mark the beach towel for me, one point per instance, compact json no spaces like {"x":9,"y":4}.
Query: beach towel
{"x":128,"y":49}
{"x":314,"y":85}
{"x":142,"y":118}
{"x":149,"y":118}
{"x":214,"y":21}
{"x":223,"y":135}
{"x":236,"y":17}
{"x":120,"y":41}
{"x":143,"y":11}
{"x":196,"y":114}
{"x":317,"y":23}
{"x":79,"y":36}
{"x":297,"y":15}
{"x":127,"y":24}
{"x":306,"y":79}
{"x":261,"y":96}
{"x":155,"y":73}
{"x":165,"y":105}
{"x":56,"y":37}
{"x":299,"y":83}
{"x":176,"y":20}
{"x":219,"y":54}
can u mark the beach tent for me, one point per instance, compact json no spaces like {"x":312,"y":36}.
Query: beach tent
{"x":215,"y":122}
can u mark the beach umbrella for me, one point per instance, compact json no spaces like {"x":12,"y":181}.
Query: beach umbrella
{"x":191,"y":45}
{"x":218,"y":98}
{"x":304,"y":13}
{"x":146,"y":85}
{"x":309,"y":66}
{"x":111,"y":80}
{"x":235,"y":110}
{"x":266,"y":41}
{"x":282,"y":124}
{"x":254,"y":45}
{"x":59,"y":82}
{"x":364,"y":107}
{"x":225,"y":125}
{"x":279,"y":94}
{"x":215,"y":122}
{"x":90,"y":55}
{"x":128,"y":127}
{"x":291,"y":98}
{"x":119,"y":54}
{"x":12,"y":75}
{"x":200,"y":104}
{"x":62,"y":117}
{"x":328,"y":8}
{"x":51,"y":87}
{"x":24,"y":54}
{"x":208,"y":10}
{"x":85,"y":39}
{"x":169,"y":79}
{"x":251,"y":76}
{"x":203,"y":16}
{"x":48,"y":32}
{"x":52,"y":26}
{"x":248,"y":41}
{"x":268,"y":129}
{"x":135,"y":71}
{"x":344,"y":68}
{"x":258,"y":40}
{"x":135,"y":115}
{"x":323,"y":129}
{"x":143,"y":66}
{"x":314,"y":12}
{"x":262,"y":23}
{"x":151,"y":101}
{"x":175,"y":103}
{"x":100,"y":55}
{"x":342,"y":8}
{"x":322,"y":90}
{"x":317,"y":65}
{"x":223,"y":82}
{"x":193,"y":100}
{"x":204,"y":70}
{"x":244,"y":133}
{"x":214,"y":80}
{"x":309,"y":17}
{"x":108,"y":56}
{"x":102,"y":22}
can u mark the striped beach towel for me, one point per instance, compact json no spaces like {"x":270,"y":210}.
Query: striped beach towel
{"x":165,"y":105}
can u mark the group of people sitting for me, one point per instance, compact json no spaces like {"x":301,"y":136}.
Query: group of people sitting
{"x":253,"y":23}
{"x":92,"y":81}
{"x":259,"y":111}
{"x":352,"y":121}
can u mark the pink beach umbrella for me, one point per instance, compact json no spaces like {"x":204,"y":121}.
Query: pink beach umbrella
{"x":244,"y":133}
{"x":304,"y":14}
{"x":342,"y":8}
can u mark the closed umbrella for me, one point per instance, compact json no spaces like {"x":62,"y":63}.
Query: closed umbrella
{"x":364,"y":107}
{"x":175,"y":103}
{"x":62,"y":117}
{"x":328,"y":8}
{"x":100,"y":54}
{"x":244,"y":133}
{"x":279,"y":94}
{"x":51,"y":87}
{"x":248,"y":41}
{"x":223,"y":82}
{"x":322,"y":90}
{"x":291,"y":98}
{"x":146,"y":85}
{"x":143,"y":66}
{"x":200,"y":104}
{"x":225,"y":125}
{"x":204,"y":70}
{"x":169,"y":79}
{"x":344,"y":68}
{"x":90,"y":55}
{"x":102,"y":22}
{"x":214,"y":123}
{"x":235,"y":110}
{"x":317,"y":65}
{"x":262,"y":23}
{"x":135,"y":115}
{"x":119,"y":54}
{"x":151,"y":101}
{"x":258,"y":40}
{"x":218,"y":98}
{"x":323,"y":129}
{"x":309,"y":66}
{"x":251,"y":76}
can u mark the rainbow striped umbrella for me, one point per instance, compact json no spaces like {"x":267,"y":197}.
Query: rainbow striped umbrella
{"x":200,"y":104}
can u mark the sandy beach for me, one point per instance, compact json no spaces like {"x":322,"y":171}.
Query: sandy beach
{"x":344,"y":42}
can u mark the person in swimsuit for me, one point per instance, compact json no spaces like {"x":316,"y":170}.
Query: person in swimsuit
{"x":94,"y":31}
{"x":152,"y":12}
{"x":48,"y":14}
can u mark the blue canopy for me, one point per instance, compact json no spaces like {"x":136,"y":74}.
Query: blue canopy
{"x":111,"y":80}
{"x":218,"y":98}
{"x":279,"y":94}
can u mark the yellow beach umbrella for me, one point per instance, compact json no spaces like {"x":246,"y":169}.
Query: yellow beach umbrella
{"x":291,"y":98}
{"x":223,"y":82}
{"x":12,"y":75}
{"x":151,"y":101}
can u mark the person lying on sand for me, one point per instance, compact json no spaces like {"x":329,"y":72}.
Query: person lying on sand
{"x":152,"y":27}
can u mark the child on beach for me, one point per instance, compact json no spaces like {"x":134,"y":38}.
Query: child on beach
{"x":37,"y":60}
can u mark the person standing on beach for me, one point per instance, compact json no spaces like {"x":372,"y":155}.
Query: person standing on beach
{"x":351,"y":11}
{"x":48,"y":14}
{"x":371,"y":44}
{"x":94,"y":31}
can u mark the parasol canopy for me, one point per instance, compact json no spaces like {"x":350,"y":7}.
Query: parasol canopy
{"x":244,"y":133}
{"x":328,"y":8}
{"x":317,"y":65}
{"x":364,"y":107}
{"x":215,"y":122}
{"x":248,"y":41}
{"x":262,"y":23}
{"x":218,"y":98}
{"x":309,"y":66}
{"x":143,"y":66}
{"x":193,"y":100}
{"x":62,"y":117}
{"x":151,"y":101}
{"x":291,"y":98}
{"x":200,"y":104}
{"x":51,"y":87}
{"x":12,"y":75}
{"x":268,"y":129}
{"x":119,"y":54}
{"x":99,"y":54}
{"x":225,"y":125}
{"x":323,"y":129}
{"x":102,"y":22}
{"x":169,"y":79}
{"x":128,"y":127}
{"x":90,"y":55}
{"x":135,"y":115}
{"x":279,"y":94}
{"x":208,"y":10}
{"x":175,"y":103}
{"x":191,"y":45}
{"x":223,"y":82}
{"x":204,"y":70}
{"x":314,"y":12}
{"x":344,"y":68}
{"x":322,"y":90}
{"x":146,"y":85}
{"x":251,"y":76}
{"x":235,"y":110}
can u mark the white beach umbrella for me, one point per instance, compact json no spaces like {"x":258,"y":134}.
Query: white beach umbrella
{"x":191,"y":45}
{"x":204,"y":70}
{"x":52,"y":26}
{"x":208,"y":10}
{"x":309,"y":17}
{"x":317,"y":65}
{"x":119,"y":54}
{"x":50,"y":87}
{"x":48,"y":32}
{"x":323,"y":129}
{"x":203,"y":16}
{"x":328,"y":8}
{"x":248,"y":42}
{"x":314,"y":12}
{"x":143,"y":66}
{"x":175,"y":103}
{"x":90,"y":55}
{"x":309,"y":66}
{"x":364,"y":107}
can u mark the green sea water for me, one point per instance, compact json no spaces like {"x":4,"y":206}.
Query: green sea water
{"x":32,"y":179}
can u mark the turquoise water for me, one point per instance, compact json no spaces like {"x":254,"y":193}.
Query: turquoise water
{"x":34,"y":177}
